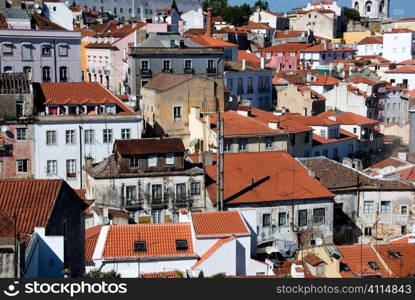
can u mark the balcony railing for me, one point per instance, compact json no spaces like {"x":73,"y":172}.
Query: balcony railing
{"x":211,"y":71}
{"x":146,"y":73}
{"x":167,"y":70}
{"x":250,"y":91}
{"x":189,"y":71}
{"x":133,"y":203}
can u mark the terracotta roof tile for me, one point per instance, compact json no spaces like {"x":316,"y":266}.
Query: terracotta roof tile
{"x":363,"y":80}
{"x":289,"y":34}
{"x":32,"y":200}
{"x":324,"y":80}
{"x":344,"y":136}
{"x":166,"y":81}
{"x":313,"y":260}
{"x":399,"y":30}
{"x":348,"y":118}
{"x":219,"y":224}
{"x":168,"y":274}
{"x":399,"y":258}
{"x":254,"y":25}
{"x":149,"y":146}
{"x":212,"y":250}
{"x":408,"y":239}
{"x":357,"y":258}
{"x":160,"y":241}
{"x":91,"y":238}
{"x":242,"y":54}
{"x":330,"y":48}
{"x":402,"y":69}
{"x":207,"y":41}
{"x":371,"y":40}
{"x":407,"y":62}
{"x":80,"y":93}
{"x":256,"y":177}
{"x":288,"y":47}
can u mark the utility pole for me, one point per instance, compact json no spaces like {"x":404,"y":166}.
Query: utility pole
{"x":220,"y":163}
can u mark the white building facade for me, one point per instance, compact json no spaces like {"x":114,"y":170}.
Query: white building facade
{"x":399,"y":45}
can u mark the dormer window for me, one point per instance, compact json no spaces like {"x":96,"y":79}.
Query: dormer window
{"x":181,"y":245}
{"x":134,"y":162}
{"x":373,"y":265}
{"x":170,"y":159}
{"x":140,"y":246}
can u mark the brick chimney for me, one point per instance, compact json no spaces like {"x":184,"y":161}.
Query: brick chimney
{"x":209,"y":28}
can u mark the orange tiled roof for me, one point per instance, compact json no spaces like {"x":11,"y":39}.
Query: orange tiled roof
{"x":357,"y":257}
{"x":168,"y":274}
{"x":256,"y":177}
{"x":407,"y":174}
{"x":32,"y":200}
{"x":242,"y":54}
{"x":371,"y":40}
{"x":348,"y":118}
{"x":289,"y":34}
{"x":219,"y":224}
{"x":330,"y":48}
{"x":391,"y":161}
{"x":324,"y":80}
{"x":400,"y":30}
{"x":212,"y":250}
{"x":208,"y":41}
{"x":401,"y":265}
{"x":403,"y":240}
{"x":344,"y":136}
{"x":288,"y":47}
{"x":80,"y":93}
{"x":363,"y":80}
{"x":160,"y":241}
{"x":407,"y":62}
{"x":314,"y":95}
{"x":313,"y":259}
{"x":403,"y":69}
{"x":91,"y":238}
{"x":254,"y":25}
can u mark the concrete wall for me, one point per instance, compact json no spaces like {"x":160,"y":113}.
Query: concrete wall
{"x":341,"y":99}
{"x":323,"y":25}
{"x":299,"y":102}
{"x":370,"y":49}
{"x":398,"y":79}
{"x":194,"y":19}
{"x":396,"y":109}
{"x":398,"y":47}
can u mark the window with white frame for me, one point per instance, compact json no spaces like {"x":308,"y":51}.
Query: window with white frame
{"x":368,"y":207}
{"x":51,"y":167}
{"x":319,"y":215}
{"x":21,"y":134}
{"x":227,"y":145}
{"x":134,"y":162}
{"x":180,"y":190}
{"x":63,"y":74}
{"x":71,"y":168}
{"x":7,"y":49}
{"x":195,"y":188}
{"x":170,"y":159}
{"x":50,"y":137}
{"x":107,"y":135}
{"x":282,"y":218}
{"x":145,"y":65}
{"x":166,"y":65}
{"x":242,"y":145}
{"x":152,"y":160}
{"x":156,"y":192}
{"x":269,"y":143}
{"x":21,"y":165}
{"x":385,"y":207}
{"x":89,"y":136}
{"x":177,"y":113}
{"x":27,"y":51}
{"x":187,"y":64}
{"x":156,"y":216}
{"x":70,"y":137}
{"x":46,"y":74}
{"x":125,"y":134}
{"x":302,"y":217}
{"x":131,"y":192}
{"x":63,"y":50}
{"x":404,"y":210}
{"x":211,"y":64}
{"x":266,"y":220}
{"x":46,"y":50}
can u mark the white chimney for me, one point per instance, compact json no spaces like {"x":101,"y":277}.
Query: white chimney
{"x":274,"y":125}
{"x":243,"y":64}
{"x":402,"y":156}
{"x":243,"y":113}
{"x":332,"y":118}
{"x":262,"y":62}
{"x":297,"y":271}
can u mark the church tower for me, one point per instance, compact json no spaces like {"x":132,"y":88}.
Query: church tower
{"x":372,"y":9}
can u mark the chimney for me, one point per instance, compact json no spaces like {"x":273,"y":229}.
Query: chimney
{"x":209,"y":22}
{"x":88,"y":162}
{"x":402,"y":156}
{"x":274,"y":125}
{"x":243,"y":64}
{"x":262,"y":62}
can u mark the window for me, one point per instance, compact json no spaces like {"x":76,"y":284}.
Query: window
{"x":230,"y":84}
{"x":282,"y":218}
{"x":27,"y":52}
{"x":266,"y":220}
{"x":187,"y":64}
{"x":170,"y":159}
{"x":46,"y":50}
{"x":242,"y":145}
{"x":307,"y":137}
{"x":63,"y":74}
{"x":403,"y":230}
{"x":368,"y":207}
{"x":368,"y":231}
{"x":71,"y":168}
{"x":8,"y":69}
{"x":177,"y":113}
{"x":46,"y":74}
{"x":63,"y":50}
{"x":156,"y":192}
{"x":20,"y":108}
{"x":130,"y":192}
{"x":181,"y":245}
{"x":144,"y":65}
{"x":152,"y":161}
{"x":89,"y":136}
{"x":125,"y":134}
{"x":50,"y":137}
{"x":404,"y":210}
{"x":134,"y":162}
{"x":21,"y":134}
{"x":269,"y":143}
{"x":323,"y":132}
{"x":302,"y":217}
{"x":319,"y":215}
{"x":211,"y":64}
{"x":51,"y":167}
{"x":166,"y":65}
{"x":385,"y":207}
{"x":140,"y":246}
{"x":180,"y":190}
{"x":227,"y":145}
{"x":7,"y":49}
{"x":21,"y":165}
{"x":70,"y":136}
{"x":107,"y":134}
{"x":195,"y":188}
{"x":292,"y":139}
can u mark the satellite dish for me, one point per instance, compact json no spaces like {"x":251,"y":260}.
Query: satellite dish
{"x":38,"y":11}
{"x":318,"y":242}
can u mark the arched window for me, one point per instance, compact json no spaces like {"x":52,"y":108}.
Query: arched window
{"x":46,"y":74}
{"x":381,"y":6}
{"x":63,"y":74}
{"x":368,"y":6}
{"x":356,"y":5}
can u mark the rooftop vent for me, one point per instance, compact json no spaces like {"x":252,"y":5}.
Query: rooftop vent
{"x":140,"y":246}
{"x":394,"y":254}
{"x":373,"y":265}
{"x":181,"y":245}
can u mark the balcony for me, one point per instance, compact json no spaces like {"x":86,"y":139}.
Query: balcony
{"x":133,"y":203}
{"x":250,"y":91}
{"x":167,"y":70}
{"x":211,"y":71}
{"x":146,"y":73}
{"x":182,"y":201}
{"x":189,"y":71}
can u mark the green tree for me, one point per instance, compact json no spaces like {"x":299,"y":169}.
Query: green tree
{"x":237,"y":15}
{"x":262,"y":4}
{"x":95,"y":273}
{"x":217,"y":6}
{"x":350,"y":14}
